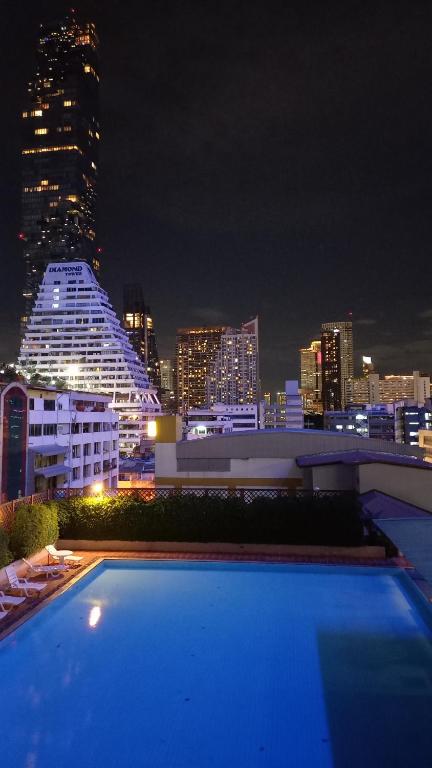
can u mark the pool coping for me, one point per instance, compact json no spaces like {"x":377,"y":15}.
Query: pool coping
{"x":412,"y":579}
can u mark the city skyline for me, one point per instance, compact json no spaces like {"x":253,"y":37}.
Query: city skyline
{"x":215,"y":193}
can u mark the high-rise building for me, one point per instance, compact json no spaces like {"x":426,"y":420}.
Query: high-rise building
{"x":311,"y":377}
{"x":167,"y":386}
{"x":337,"y":361}
{"x":196,"y":351}
{"x":73,"y":335}
{"x":234,"y":376}
{"x":139,"y":326}
{"x":60,"y":152}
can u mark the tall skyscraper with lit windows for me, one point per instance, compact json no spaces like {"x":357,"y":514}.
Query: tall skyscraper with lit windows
{"x":60,"y":152}
{"x":196,"y":351}
{"x":139,"y":326}
{"x":337,"y":360}
{"x":234,"y":374}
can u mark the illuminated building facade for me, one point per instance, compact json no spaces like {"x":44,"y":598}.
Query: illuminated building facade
{"x":196,"y":351}
{"x":389,"y":389}
{"x":337,"y":362}
{"x":138,"y":324}
{"x":60,"y":152}
{"x":311,"y":377}
{"x":234,"y":374}
{"x":74,"y":335}
{"x":167,"y":375}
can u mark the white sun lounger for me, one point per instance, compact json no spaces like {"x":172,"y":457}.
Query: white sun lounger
{"x":15,"y":582}
{"x":10,"y":600}
{"x":63,"y":554}
{"x":46,"y":570}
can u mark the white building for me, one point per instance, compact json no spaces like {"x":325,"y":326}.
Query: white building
{"x":73,"y":334}
{"x":73,"y":440}
{"x":234,"y":374}
{"x":287,"y":411}
{"x":221,"y":419}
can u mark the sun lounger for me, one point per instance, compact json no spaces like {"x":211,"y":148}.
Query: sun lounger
{"x":15,"y":582}
{"x":10,"y":600}
{"x":2,"y":613}
{"x":62,"y":555}
{"x":46,"y":570}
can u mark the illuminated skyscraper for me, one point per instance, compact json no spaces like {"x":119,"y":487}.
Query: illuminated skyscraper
{"x":195,"y":355}
{"x":234,"y":374}
{"x":311,"y":377}
{"x":60,"y":152}
{"x":337,"y":363}
{"x":74,"y":334}
{"x":138,"y":324}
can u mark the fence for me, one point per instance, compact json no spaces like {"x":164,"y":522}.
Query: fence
{"x":7,"y":510}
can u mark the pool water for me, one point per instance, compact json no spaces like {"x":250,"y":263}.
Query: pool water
{"x":212,"y":665}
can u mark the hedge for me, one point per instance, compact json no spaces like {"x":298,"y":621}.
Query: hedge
{"x":34,"y":526}
{"x":333,"y":521}
{"x":5,"y":554}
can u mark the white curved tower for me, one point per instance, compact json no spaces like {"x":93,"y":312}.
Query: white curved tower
{"x":73,"y":333}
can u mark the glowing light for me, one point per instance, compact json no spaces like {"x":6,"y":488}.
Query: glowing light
{"x":97,"y":488}
{"x":151,"y":429}
{"x":72,"y":370}
{"x":94,"y":616}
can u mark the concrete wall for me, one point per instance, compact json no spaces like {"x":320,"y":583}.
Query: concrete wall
{"x":411,"y":484}
{"x":333,"y":477}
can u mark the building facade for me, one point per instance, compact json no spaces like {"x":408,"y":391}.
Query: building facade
{"x":167,"y":374}
{"x":55,"y":439}
{"x":287,"y":411}
{"x":196,"y":351}
{"x":337,"y":360}
{"x":220,"y":419}
{"x":390,"y":389}
{"x":139,"y":326}
{"x":74,"y":335}
{"x":311,"y":377}
{"x":60,"y":154}
{"x":234,"y":374}
{"x":73,"y":440}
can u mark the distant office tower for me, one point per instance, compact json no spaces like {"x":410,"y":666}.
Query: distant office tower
{"x":60,"y":153}
{"x":73,"y":334}
{"x":234,"y":375}
{"x":311,"y":377}
{"x":167,"y":386}
{"x":337,"y":363}
{"x":196,"y":351}
{"x":138,"y":324}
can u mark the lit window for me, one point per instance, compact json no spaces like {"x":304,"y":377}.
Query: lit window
{"x":87,"y":68}
{"x":36,"y":113}
{"x":69,"y":103}
{"x":44,"y":183}
{"x":25,"y":114}
{"x":41,"y":131}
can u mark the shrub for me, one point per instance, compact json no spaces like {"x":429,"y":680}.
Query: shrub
{"x":296,"y":520}
{"x":34,"y":527}
{"x":5,"y":554}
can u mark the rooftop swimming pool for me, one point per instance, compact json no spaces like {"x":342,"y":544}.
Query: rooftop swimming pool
{"x":220,"y":665}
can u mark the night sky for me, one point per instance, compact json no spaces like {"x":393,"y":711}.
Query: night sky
{"x":255,"y":157}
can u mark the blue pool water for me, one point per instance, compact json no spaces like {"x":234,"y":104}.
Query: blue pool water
{"x":213,"y":665}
